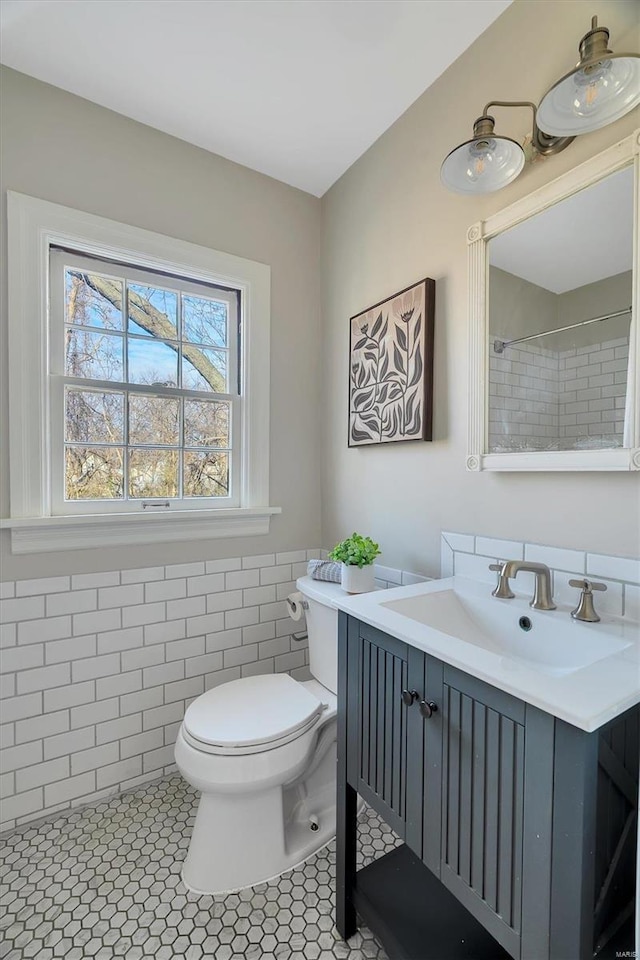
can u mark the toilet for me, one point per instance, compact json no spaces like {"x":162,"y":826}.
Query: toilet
{"x":262,"y":752}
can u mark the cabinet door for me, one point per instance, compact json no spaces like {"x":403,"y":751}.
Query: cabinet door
{"x":482,"y":802}
{"x":382,"y":724}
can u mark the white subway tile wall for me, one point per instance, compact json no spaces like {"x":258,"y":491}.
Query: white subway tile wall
{"x":593,"y":386}
{"x":566,"y":399}
{"x":523,"y":398}
{"x":466,"y":555}
{"x":96,"y":676}
{"x":97,"y":670}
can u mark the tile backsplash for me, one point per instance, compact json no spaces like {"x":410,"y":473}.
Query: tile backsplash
{"x":468,"y":555}
{"x":97,"y":670}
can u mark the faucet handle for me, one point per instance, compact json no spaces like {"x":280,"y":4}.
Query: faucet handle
{"x":588,"y":585}
{"x":585,"y":610}
{"x":502,"y":590}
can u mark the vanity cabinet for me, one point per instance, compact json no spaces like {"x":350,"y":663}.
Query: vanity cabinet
{"x":519,"y":829}
{"x":381,"y":741}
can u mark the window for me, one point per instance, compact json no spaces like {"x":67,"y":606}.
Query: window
{"x":145,"y":392}
{"x":138,"y":382}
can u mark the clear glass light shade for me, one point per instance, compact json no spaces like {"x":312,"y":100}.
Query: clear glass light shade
{"x":482,"y":165}
{"x":590,"y":98}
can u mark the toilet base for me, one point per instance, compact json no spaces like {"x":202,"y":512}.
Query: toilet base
{"x":290,"y":866}
{"x":240,"y":840}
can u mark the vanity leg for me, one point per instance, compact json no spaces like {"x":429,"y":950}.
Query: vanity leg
{"x":347,"y":797}
{"x":346,"y":837}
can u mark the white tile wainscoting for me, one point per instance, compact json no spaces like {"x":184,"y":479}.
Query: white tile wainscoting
{"x":469,"y":555}
{"x":97,"y":670}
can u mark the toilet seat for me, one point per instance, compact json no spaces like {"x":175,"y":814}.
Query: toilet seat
{"x":251,"y":715}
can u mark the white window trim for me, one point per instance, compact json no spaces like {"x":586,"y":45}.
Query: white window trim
{"x":33,"y":227}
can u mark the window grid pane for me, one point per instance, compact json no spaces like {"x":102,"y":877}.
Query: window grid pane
{"x":140,"y":465}
{"x":206,"y":475}
{"x":153,"y":472}
{"x":89,"y":307}
{"x":162,"y":301}
{"x":202,"y":365}
{"x":94,"y":473}
{"x":153,"y":361}
{"x":94,"y":416}
{"x":207,"y":423}
{"x":94,"y":354}
{"x":154,"y":421}
{"x":196,"y":329}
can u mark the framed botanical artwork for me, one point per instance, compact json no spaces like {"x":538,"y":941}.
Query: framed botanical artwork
{"x":391,"y":368}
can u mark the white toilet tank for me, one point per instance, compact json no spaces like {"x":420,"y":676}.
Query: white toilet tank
{"x":322,"y":627}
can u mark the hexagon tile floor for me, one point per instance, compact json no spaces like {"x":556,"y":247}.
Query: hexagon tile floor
{"x":104,"y":882}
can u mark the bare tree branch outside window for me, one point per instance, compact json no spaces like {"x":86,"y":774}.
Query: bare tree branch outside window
{"x":122,"y":444}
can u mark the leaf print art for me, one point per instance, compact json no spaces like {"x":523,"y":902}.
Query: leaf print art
{"x":391,"y":364}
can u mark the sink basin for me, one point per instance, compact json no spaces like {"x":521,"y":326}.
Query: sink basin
{"x":554,"y":643}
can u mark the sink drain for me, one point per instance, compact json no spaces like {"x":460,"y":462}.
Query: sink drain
{"x":525,"y":623}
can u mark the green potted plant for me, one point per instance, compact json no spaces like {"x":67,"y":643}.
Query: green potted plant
{"x":356,"y":554}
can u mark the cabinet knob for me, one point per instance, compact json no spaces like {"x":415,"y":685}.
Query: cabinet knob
{"x":409,"y":697}
{"x":427,"y":708}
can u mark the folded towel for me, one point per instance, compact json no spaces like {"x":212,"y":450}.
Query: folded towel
{"x":325,"y":570}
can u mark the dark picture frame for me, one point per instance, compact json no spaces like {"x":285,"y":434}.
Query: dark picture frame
{"x":391,"y":368}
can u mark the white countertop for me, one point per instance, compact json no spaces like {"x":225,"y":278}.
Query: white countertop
{"x":586,"y":697}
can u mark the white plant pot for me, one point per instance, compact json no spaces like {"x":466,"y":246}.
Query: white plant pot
{"x":357,"y":579}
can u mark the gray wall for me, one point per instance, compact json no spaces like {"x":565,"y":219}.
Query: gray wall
{"x":61,"y":148}
{"x":518,"y":308}
{"x":387,"y":223}
{"x":594,"y":300}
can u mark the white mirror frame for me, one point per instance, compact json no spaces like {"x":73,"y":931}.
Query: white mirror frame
{"x":620,"y":155}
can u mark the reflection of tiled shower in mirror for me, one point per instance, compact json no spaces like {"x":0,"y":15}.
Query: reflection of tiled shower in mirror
{"x":560,"y":292}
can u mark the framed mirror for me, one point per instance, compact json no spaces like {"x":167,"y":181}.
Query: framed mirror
{"x":554,"y":287}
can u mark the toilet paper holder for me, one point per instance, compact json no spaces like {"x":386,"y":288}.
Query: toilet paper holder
{"x":297,"y":606}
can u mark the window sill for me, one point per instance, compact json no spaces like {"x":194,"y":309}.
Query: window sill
{"x":48,"y":534}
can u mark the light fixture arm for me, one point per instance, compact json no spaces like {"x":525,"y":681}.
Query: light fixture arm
{"x":545,"y":145}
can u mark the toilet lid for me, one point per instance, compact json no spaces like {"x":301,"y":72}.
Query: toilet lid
{"x":251,"y":711}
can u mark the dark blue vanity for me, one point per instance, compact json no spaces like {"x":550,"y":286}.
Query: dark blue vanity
{"x":519,"y":830}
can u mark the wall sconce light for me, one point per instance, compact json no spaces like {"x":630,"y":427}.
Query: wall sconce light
{"x":603,"y":87}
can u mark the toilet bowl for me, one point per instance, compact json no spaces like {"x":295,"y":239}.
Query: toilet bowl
{"x":262,"y":752}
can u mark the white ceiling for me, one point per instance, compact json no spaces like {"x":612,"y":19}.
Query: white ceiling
{"x":297,"y":89}
{"x":581,"y":240}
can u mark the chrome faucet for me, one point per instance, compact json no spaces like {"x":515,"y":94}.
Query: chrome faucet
{"x":542,"y":598}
